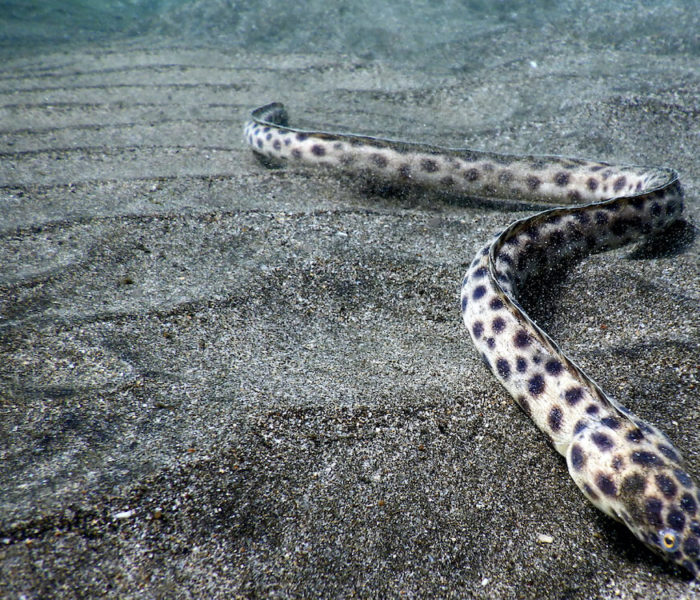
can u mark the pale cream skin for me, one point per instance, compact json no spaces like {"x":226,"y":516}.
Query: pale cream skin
{"x":624,"y":466}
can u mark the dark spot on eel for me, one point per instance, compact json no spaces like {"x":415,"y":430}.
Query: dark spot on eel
{"x":561,"y":179}
{"x":555,"y":418}
{"x":606,"y":485}
{"x":503,"y":368}
{"x":578,"y":458}
{"x":429,"y":165}
{"x":535,"y":385}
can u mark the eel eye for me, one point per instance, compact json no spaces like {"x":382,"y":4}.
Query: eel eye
{"x":669,"y":540}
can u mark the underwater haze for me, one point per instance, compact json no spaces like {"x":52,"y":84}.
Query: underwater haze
{"x":422,"y":31}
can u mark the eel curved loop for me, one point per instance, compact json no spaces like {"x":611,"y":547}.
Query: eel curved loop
{"x":626,"y":467}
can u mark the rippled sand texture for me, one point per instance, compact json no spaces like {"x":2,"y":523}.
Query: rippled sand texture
{"x":221,"y":380}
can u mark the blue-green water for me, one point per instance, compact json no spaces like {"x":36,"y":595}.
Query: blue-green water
{"x":430,"y":32}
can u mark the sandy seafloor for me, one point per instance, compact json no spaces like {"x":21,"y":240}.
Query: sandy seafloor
{"x":220,"y":380}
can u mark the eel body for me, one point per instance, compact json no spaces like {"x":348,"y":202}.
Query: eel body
{"x":625,"y":466}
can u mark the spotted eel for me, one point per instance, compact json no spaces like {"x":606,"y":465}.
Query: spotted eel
{"x":625,"y":466}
